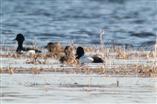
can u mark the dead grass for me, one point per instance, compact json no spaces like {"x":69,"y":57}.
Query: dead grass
{"x":108,"y":54}
{"x":10,"y":70}
{"x":134,"y":70}
{"x":121,"y":54}
{"x":35,"y":70}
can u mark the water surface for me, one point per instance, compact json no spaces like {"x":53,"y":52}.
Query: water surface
{"x":76,"y":88}
{"x":79,"y":21}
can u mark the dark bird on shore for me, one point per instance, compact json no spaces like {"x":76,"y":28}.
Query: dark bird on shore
{"x":80,"y":55}
{"x":20,"y":49}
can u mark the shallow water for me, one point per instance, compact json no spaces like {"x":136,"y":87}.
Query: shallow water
{"x":76,"y":88}
{"x":79,"y":21}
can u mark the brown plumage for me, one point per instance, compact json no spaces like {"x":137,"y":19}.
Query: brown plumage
{"x":69,"y":57}
{"x":55,"y":49}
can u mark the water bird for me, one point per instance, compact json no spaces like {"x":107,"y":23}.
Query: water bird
{"x":80,"y":55}
{"x":55,"y":48}
{"x":20,"y":49}
{"x":69,"y":57}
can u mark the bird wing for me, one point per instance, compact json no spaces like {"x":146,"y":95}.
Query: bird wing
{"x":86,"y":59}
{"x":97,"y":59}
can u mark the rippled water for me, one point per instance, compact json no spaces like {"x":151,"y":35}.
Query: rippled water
{"x":79,"y":21}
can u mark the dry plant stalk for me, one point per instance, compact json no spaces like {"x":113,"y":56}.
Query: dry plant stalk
{"x":156,"y":48}
{"x":155,"y":56}
{"x":101,"y":39}
{"x":10,"y":70}
{"x":0,"y":70}
{"x":122,"y":54}
{"x":34,"y":59}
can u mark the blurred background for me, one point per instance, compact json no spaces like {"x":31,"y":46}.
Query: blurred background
{"x":132,"y":22}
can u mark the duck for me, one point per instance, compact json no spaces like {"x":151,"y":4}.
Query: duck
{"x":69,"y":56}
{"x":55,"y":49}
{"x":20,"y":49}
{"x":80,"y":55}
